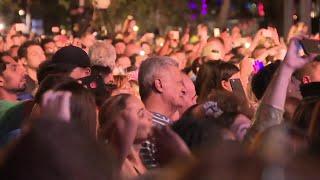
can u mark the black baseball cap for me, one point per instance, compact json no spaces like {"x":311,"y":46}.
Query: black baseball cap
{"x":71,"y":56}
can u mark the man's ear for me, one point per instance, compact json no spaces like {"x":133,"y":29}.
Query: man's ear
{"x":306,"y":79}
{"x":1,"y":81}
{"x":23,"y":61}
{"x":225,"y":84}
{"x":158,"y":85}
{"x":88,"y":71}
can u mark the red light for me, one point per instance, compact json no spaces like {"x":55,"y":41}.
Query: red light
{"x":261,"y":9}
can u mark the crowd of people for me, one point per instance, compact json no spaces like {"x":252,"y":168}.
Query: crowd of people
{"x":190,"y":104}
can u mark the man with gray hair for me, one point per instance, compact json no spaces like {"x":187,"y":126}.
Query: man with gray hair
{"x":162,"y":91}
{"x":102,"y":54}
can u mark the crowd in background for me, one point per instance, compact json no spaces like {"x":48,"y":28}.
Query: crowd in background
{"x":190,"y":104}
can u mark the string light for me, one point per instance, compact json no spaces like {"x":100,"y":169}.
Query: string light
{"x":192,"y":5}
{"x":261,"y":11}
{"x":204,"y":7}
{"x":136,"y":28}
{"x":2,"y":26}
{"x":21,"y":12}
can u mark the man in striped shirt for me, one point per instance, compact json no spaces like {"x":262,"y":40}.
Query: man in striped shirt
{"x":162,"y":91}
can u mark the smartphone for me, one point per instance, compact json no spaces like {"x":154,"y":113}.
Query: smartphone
{"x":55,"y":29}
{"x":216,"y":32}
{"x":237,"y":88}
{"x":20,"y":27}
{"x":310,"y":46}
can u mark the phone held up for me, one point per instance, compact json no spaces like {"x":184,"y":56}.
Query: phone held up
{"x":310,"y":46}
{"x":237,"y":88}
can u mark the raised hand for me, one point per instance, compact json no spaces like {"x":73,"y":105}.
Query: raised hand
{"x":293,"y":60}
{"x":56,"y":105}
{"x":203,"y":32}
{"x":274,"y":35}
{"x":186,"y":36}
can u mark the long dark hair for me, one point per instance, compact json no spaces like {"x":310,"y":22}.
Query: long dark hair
{"x":314,"y":129}
{"x":210,"y":76}
{"x":303,"y":114}
{"x":60,"y":152}
{"x":230,"y":104}
{"x":82,"y":106}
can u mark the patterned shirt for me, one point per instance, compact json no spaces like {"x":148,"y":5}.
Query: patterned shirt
{"x":266,"y":116}
{"x":148,"y":149}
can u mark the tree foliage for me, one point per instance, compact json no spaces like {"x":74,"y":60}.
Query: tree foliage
{"x":150,"y":14}
{"x":8,"y":8}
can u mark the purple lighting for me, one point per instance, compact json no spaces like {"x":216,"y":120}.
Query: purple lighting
{"x":219,"y":2}
{"x":192,"y":5}
{"x":204,"y":7}
{"x":261,"y":9}
{"x":193,"y":17}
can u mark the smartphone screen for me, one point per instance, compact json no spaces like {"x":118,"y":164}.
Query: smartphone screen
{"x":237,"y":88}
{"x":55,"y":29}
{"x":216,"y":32}
{"x":310,"y":46}
{"x":20,"y":27}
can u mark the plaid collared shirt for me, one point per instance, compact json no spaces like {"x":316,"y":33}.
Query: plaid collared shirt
{"x":148,"y":149}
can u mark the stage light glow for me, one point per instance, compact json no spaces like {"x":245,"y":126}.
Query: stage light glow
{"x":261,"y":11}
{"x":63,"y":32}
{"x":142,"y":53}
{"x":2,"y":26}
{"x":135,"y":28}
{"x":204,"y":7}
{"x":247,"y":45}
{"x":313,"y":14}
{"x":21,"y":12}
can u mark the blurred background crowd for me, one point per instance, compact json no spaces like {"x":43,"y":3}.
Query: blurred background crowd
{"x":159,"y":89}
